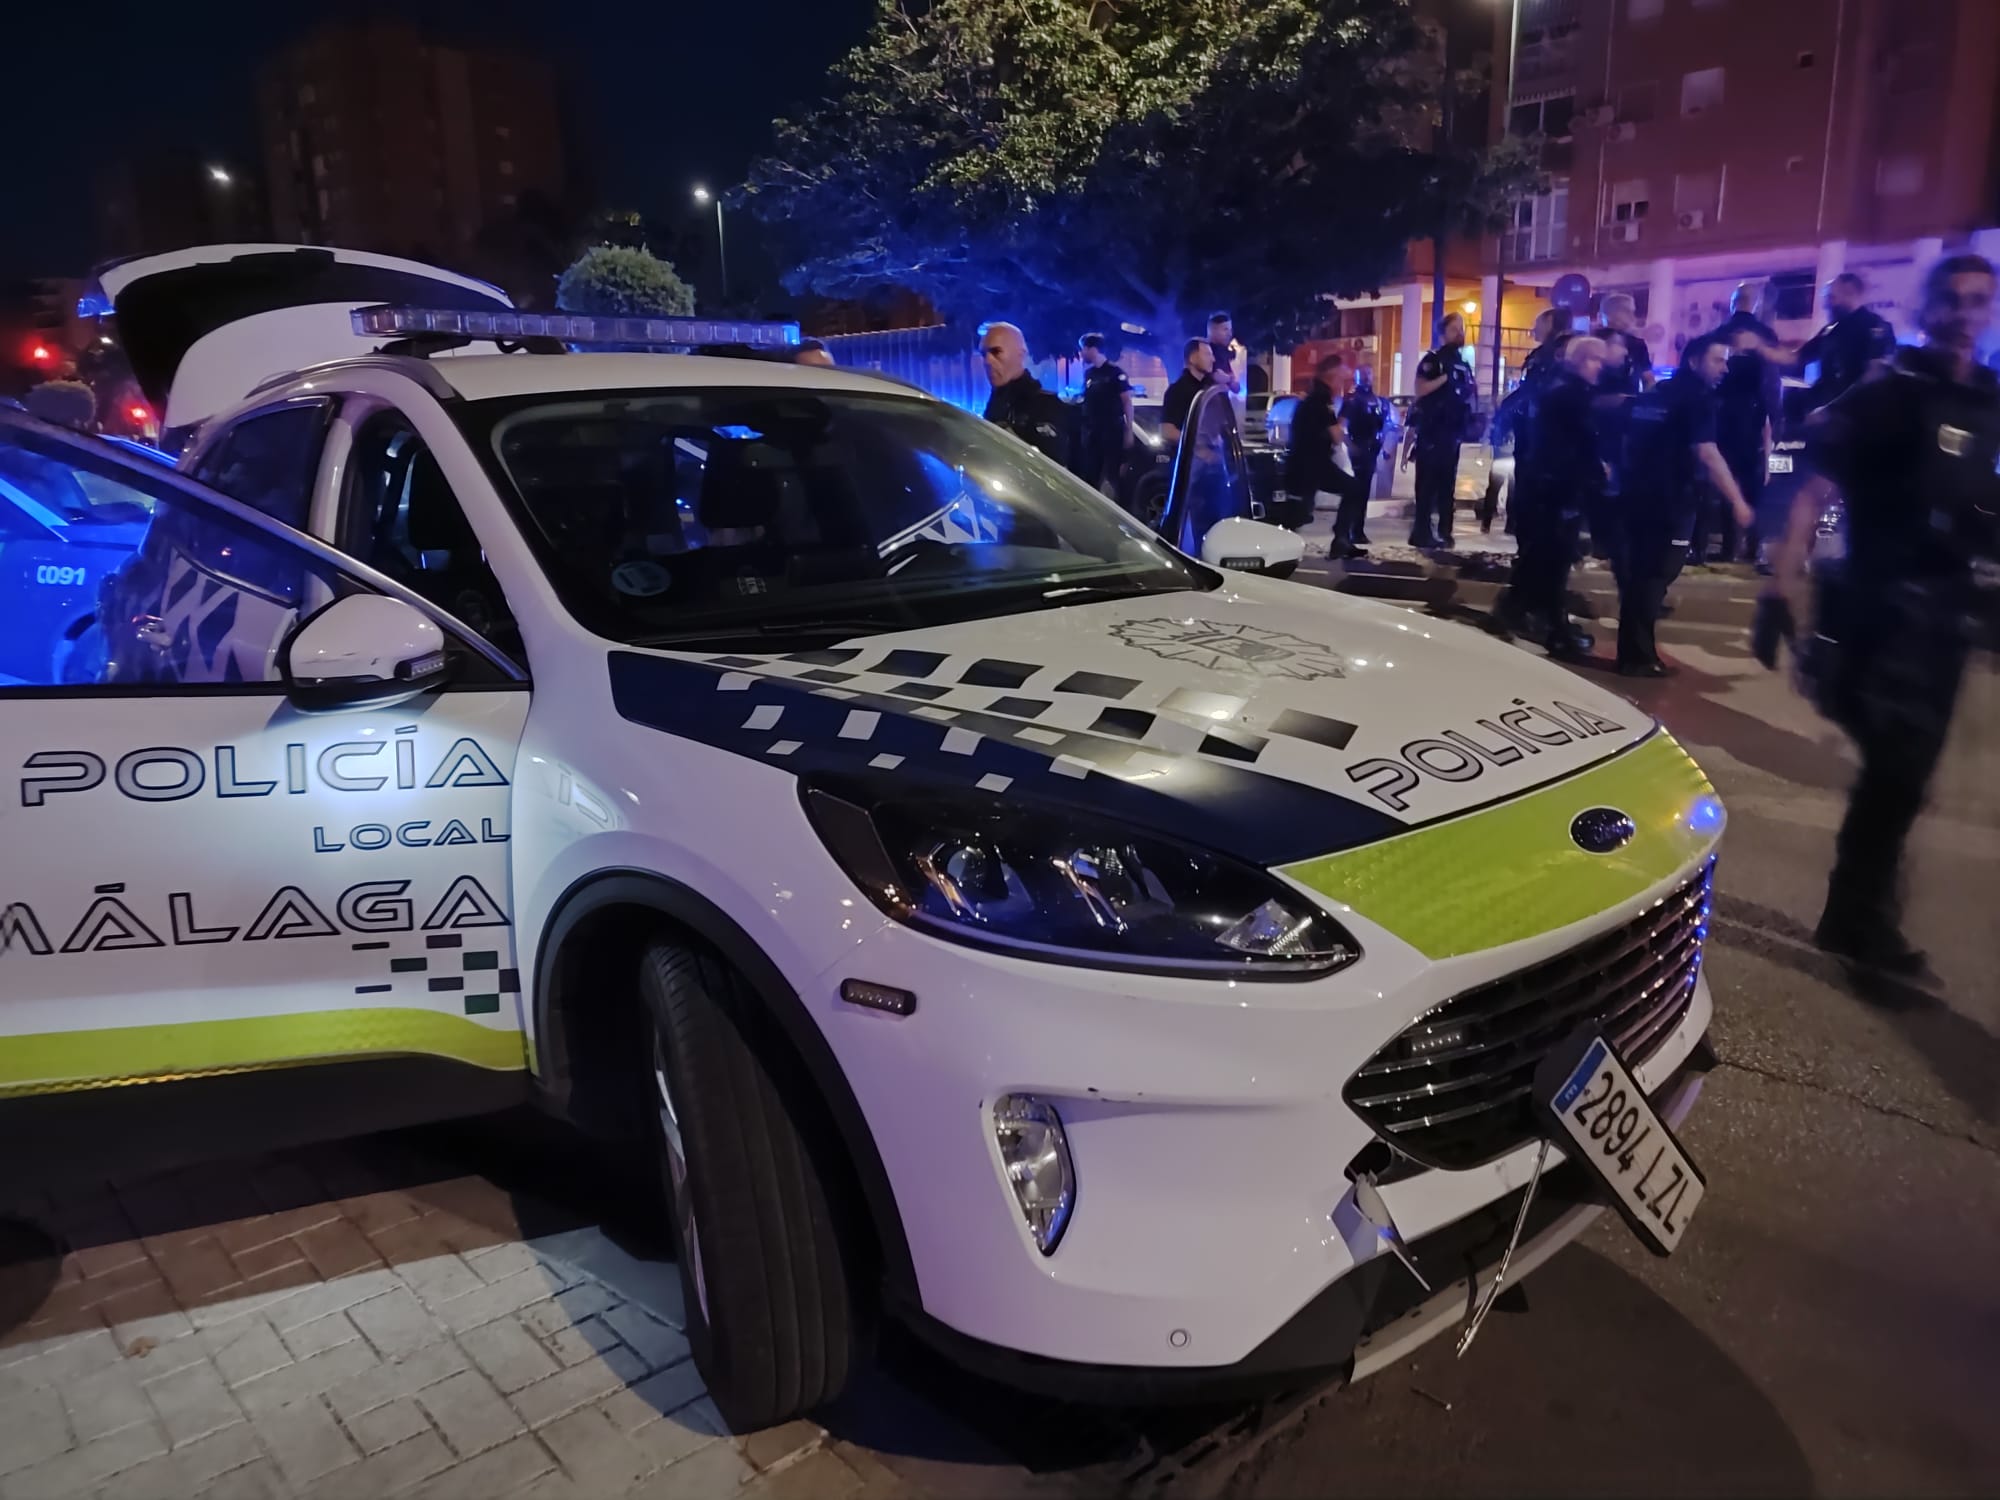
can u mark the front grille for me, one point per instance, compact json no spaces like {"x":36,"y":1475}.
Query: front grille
{"x":1454,"y":1089}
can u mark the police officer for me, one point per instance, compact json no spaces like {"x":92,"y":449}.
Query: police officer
{"x":1019,"y":402}
{"x":1670,"y":445}
{"x":1196,"y":372}
{"x":1318,"y":433}
{"x":1748,"y":409}
{"x":1853,"y":339}
{"x":1108,"y":438}
{"x":1915,"y":450}
{"x":1559,"y":476}
{"x":1366,"y":418}
{"x":1634,"y":374}
{"x":1444,"y":404}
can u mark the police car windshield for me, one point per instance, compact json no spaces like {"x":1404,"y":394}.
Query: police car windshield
{"x":663,"y":516}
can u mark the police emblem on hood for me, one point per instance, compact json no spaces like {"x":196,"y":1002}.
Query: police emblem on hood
{"x":1218,"y":646}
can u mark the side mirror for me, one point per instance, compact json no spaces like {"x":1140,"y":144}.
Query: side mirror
{"x":364,"y":651}
{"x":1253,"y":547}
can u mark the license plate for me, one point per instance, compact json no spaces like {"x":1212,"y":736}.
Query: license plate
{"x":1603,"y":1120}
{"x":1781,"y":463}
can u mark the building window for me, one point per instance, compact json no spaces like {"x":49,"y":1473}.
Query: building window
{"x":1644,"y":10}
{"x":1697,"y":199}
{"x":1701,"y":91}
{"x":1806,"y":59}
{"x":1627,"y":202}
{"x":1550,"y":117}
{"x":307,"y":94}
{"x":1637,"y":103}
{"x":1541,"y":226}
{"x":507,"y":200}
{"x":1899,"y":176}
{"x":506,"y":169}
{"x":1795,"y":164}
{"x":503,"y":131}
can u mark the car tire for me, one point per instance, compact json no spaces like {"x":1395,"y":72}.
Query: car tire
{"x":767,"y":1271}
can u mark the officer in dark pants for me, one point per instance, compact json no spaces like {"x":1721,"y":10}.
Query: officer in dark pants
{"x":1445,"y":397}
{"x":1317,"y":432}
{"x":1746,"y":412}
{"x":1366,"y":417}
{"x":1915,"y":450}
{"x":1559,"y":478}
{"x":1669,"y":448}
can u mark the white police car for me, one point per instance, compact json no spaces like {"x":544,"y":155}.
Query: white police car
{"x":1136,"y":977}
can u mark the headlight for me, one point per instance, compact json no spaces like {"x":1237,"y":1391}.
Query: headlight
{"x":974,"y":869}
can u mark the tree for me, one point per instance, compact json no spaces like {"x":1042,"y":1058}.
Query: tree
{"x":623,"y":281}
{"x":1073,"y":163}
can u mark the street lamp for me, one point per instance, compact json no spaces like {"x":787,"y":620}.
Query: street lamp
{"x":220,"y":176}
{"x":702,"y":195}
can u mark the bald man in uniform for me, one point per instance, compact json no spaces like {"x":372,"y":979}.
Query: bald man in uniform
{"x":1019,"y":402}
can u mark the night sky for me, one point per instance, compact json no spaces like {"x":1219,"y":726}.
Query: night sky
{"x":665,"y":94}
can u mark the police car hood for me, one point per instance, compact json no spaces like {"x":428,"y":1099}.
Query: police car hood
{"x":1268,"y":720}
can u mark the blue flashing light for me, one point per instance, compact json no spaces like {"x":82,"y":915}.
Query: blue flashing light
{"x":571,"y":328}
{"x":738,"y":432}
{"x":1706,"y":815}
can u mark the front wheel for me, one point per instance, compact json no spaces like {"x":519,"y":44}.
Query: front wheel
{"x":767,"y":1273}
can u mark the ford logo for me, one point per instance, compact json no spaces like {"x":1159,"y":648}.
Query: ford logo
{"x":1602,"y":830}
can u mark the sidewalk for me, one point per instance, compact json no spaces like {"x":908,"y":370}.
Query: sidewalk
{"x":333,"y":1324}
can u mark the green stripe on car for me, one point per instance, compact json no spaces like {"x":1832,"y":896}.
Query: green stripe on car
{"x":1513,"y":871}
{"x":58,"y":1061}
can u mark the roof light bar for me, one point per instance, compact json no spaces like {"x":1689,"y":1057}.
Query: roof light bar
{"x":571,"y":328}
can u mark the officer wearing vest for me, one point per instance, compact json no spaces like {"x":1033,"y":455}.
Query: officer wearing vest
{"x":1670,"y":445}
{"x":1446,"y":395}
{"x":1915,"y":451}
{"x":1559,"y":477}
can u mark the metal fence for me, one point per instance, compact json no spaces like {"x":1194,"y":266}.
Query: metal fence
{"x":940,"y":359}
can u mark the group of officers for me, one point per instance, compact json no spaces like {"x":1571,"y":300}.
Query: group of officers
{"x":1907,"y":437}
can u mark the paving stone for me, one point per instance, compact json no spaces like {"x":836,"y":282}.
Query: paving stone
{"x":390,"y":1380}
{"x":672,"y":1388}
{"x":820,"y":1475}
{"x":245,"y":1348}
{"x":277,"y":1256}
{"x":254,"y":1481}
{"x":647,"y":1336}
{"x":396,"y":1322}
{"x":316,"y":1301}
{"x":32,"y":1429}
{"x":470,"y":1413}
{"x":193,"y":1402}
{"x":498,"y":1262}
{"x":573,"y":1344}
{"x":105,"y":1402}
{"x":577,"y":1386}
{"x":668,"y":1440}
{"x":145,"y":1312}
{"x":82,"y":1354}
{"x":555,"y":1485}
{"x":307,"y":1378}
{"x":593,"y":1452}
{"x":518,"y":1291}
{"x":188,"y":1469}
{"x":371,"y":1213}
{"x":510,"y":1355}
{"x":82,"y":1468}
{"x":338,"y":1249}
{"x":386,"y":1473}
{"x":498,"y":1471}
{"x":198,"y":1272}
{"x":329,"y":1332}
{"x":304,"y":1440}
{"x":386,"y":1426}
{"x":706,"y":1474}
{"x":769,"y":1447}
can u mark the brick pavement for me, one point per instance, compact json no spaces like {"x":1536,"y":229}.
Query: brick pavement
{"x":333,"y":1324}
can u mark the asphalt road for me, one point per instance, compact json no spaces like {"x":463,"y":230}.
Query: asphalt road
{"x":1832,"y":1323}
